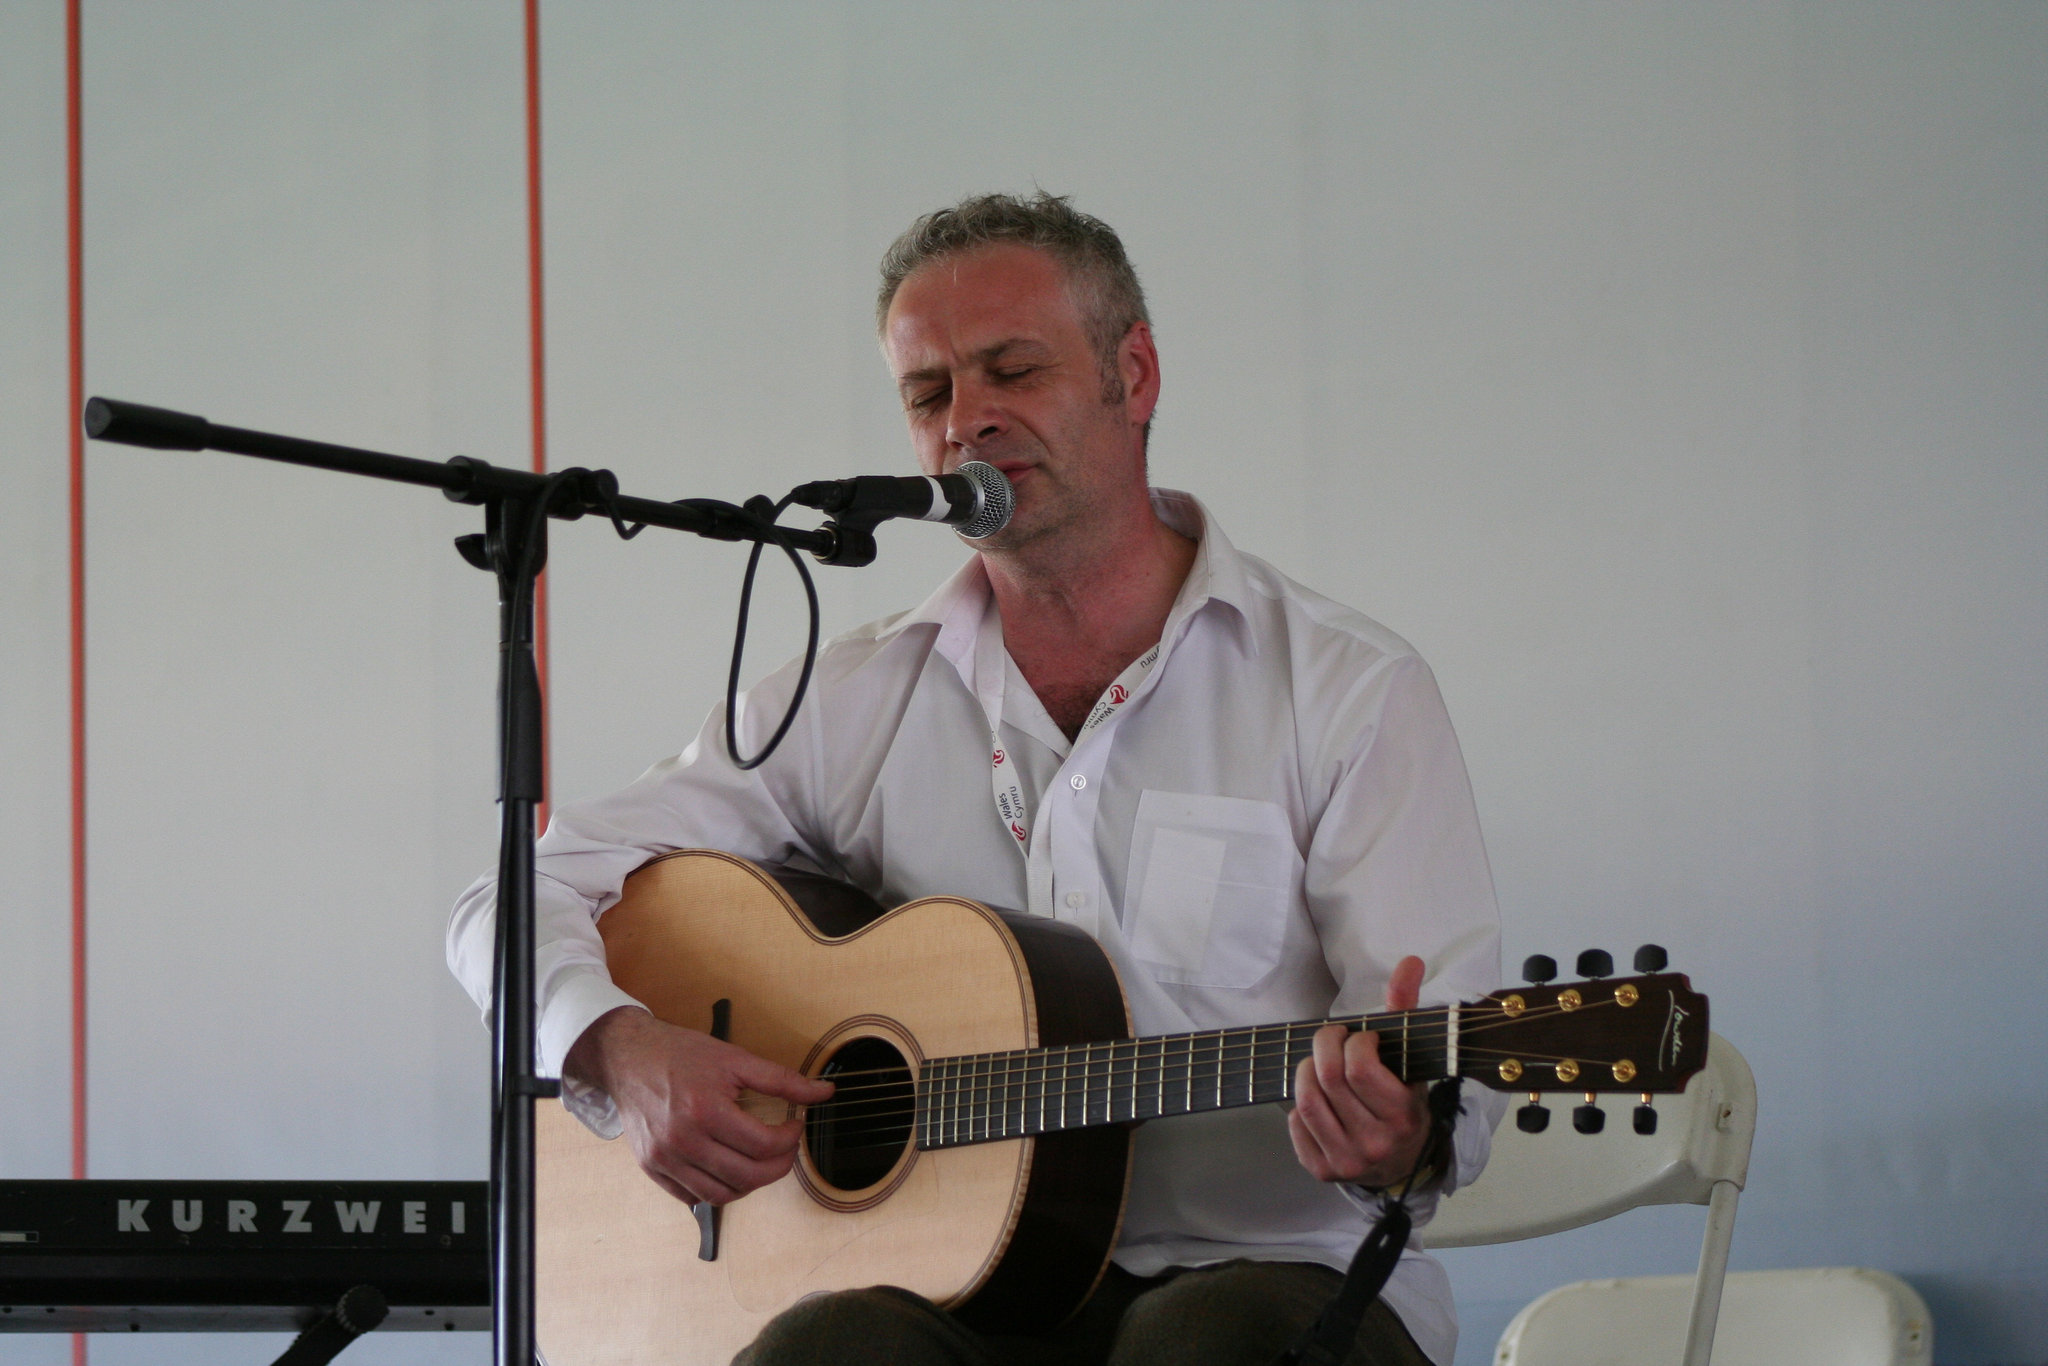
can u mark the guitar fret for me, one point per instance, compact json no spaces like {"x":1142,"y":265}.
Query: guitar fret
{"x":1109,"y":1086}
{"x":1158,"y":1076}
{"x":991,"y":1098}
{"x":1088,"y":1091}
{"x":977,"y":1106}
{"x":964,"y":1100}
{"x":953,"y":1108}
{"x":1108,"y":1082}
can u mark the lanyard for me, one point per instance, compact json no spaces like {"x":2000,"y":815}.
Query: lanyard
{"x":991,"y":673}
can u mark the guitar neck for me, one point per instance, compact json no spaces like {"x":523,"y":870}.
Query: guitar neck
{"x":986,"y":1097}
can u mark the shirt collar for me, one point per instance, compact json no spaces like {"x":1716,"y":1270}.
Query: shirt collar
{"x":1218,"y":573}
{"x":957,"y":606}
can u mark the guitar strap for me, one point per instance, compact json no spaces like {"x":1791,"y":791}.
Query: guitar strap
{"x":1328,"y":1340}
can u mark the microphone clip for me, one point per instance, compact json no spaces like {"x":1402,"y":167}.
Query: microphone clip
{"x":853,"y":539}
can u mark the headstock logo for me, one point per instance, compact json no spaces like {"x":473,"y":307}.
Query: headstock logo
{"x":1675,"y":1017}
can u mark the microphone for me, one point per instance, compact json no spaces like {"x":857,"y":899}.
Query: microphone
{"x":975,"y":499}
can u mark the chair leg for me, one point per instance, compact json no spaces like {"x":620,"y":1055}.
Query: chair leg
{"x":1706,"y":1290}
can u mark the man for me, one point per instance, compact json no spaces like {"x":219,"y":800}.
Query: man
{"x":1250,"y":795}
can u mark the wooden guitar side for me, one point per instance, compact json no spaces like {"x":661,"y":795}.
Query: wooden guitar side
{"x":1011,"y":1234}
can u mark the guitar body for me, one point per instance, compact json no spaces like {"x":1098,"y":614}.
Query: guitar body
{"x":1011,"y":1235}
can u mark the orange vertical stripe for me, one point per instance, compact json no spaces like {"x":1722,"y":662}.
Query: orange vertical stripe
{"x":537,"y":361}
{"x":74,"y":209}
{"x":74,"y":156}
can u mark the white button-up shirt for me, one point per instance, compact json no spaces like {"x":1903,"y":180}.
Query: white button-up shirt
{"x":1273,"y":814}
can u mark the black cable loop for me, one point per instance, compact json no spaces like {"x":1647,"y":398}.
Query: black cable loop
{"x":764,"y":513}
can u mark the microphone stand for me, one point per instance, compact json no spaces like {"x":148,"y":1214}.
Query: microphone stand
{"x":513,"y":546}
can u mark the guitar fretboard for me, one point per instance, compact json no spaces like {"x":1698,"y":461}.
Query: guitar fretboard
{"x":985,"y":1097}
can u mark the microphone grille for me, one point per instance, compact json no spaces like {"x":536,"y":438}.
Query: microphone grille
{"x":995,"y":502}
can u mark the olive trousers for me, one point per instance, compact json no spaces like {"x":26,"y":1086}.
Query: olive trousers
{"x":1239,"y":1313}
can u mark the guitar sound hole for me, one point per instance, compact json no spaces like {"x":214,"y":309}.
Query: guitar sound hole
{"x":856,"y":1137}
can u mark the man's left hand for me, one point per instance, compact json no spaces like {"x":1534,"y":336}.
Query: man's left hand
{"x":1352,"y":1119}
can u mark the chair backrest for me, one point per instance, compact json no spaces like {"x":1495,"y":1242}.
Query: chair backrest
{"x":1834,"y":1316}
{"x":1559,"y":1179}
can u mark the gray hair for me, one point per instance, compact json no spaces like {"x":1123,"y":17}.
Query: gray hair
{"x":1105,"y":286}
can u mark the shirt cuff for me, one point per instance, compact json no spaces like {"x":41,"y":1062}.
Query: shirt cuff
{"x":575,"y":1005}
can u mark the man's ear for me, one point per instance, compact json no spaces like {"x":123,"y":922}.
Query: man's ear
{"x":1137,"y":365}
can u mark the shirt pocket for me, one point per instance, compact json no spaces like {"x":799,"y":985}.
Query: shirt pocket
{"x":1211,"y":884}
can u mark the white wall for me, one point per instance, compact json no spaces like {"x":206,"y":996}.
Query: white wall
{"x":1672,"y":375}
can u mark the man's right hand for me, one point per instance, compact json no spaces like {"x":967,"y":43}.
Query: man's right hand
{"x":678,"y":1092}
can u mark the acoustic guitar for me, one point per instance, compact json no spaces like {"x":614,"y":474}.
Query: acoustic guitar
{"x":977,"y":1147}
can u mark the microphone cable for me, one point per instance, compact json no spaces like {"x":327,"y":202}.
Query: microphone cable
{"x":759,"y":510}
{"x":763,"y":512}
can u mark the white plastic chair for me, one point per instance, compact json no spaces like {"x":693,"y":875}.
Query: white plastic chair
{"x":1834,"y":1316}
{"x":1559,"y":1179}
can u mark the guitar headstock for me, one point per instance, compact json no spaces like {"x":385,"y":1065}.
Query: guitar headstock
{"x":1637,"y":1035}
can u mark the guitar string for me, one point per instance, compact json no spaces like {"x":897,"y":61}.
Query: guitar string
{"x":997,"y":1097}
{"x":992,"y":1113}
{"x":1428,"y":1034}
{"x":988,"y":1096}
{"x":992,"y":1096}
{"x":992,"y":1119}
{"x":998,"y":1090}
{"x":1433,"y":1028}
{"x":1126,"y":1072}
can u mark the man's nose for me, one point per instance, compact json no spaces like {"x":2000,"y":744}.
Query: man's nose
{"x":975,"y":419}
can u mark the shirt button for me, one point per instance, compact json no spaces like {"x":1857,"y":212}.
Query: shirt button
{"x":1076,"y":900}
{"x":1078,"y":781}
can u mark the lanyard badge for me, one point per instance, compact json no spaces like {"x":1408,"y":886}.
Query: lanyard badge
{"x":990,"y":674}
